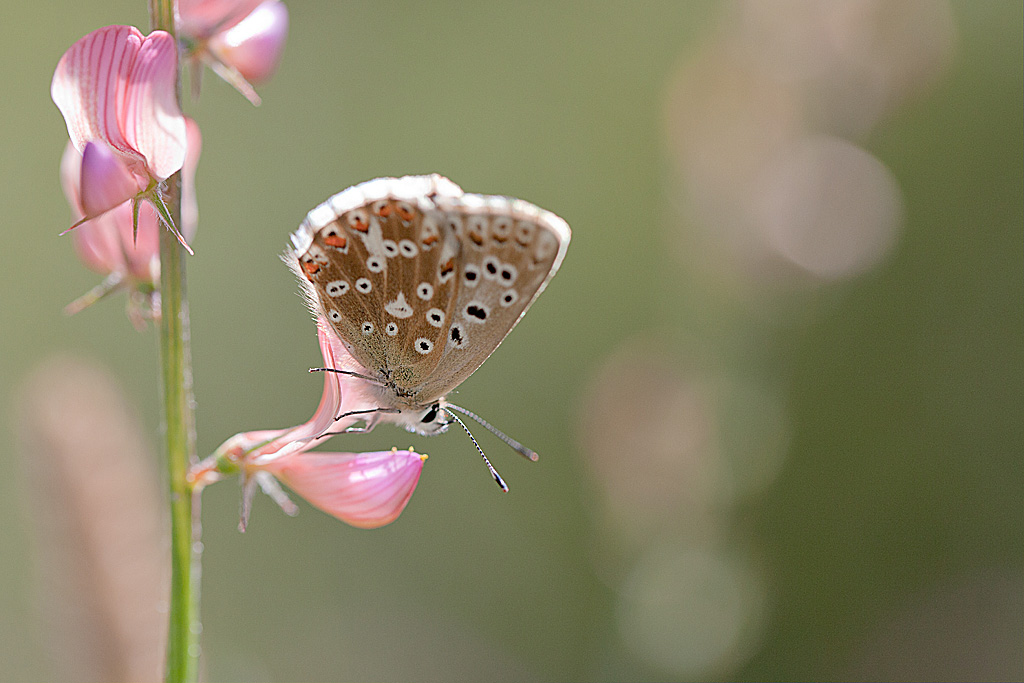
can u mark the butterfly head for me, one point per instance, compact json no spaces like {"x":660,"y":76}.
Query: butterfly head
{"x":424,"y":420}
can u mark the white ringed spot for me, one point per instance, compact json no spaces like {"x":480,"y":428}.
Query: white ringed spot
{"x":367,"y":328}
{"x":425,"y":291}
{"x":508,"y":274}
{"x":334,"y":315}
{"x":364,"y":285}
{"x":390,"y":248}
{"x":423,"y":345}
{"x":525,"y":232}
{"x":501,"y":228}
{"x":454,"y":223}
{"x":358,"y":220}
{"x":471,"y":274}
{"x":476,"y":311}
{"x":391,"y":329}
{"x":435,"y":316}
{"x":408,"y":248}
{"x":509,"y":297}
{"x":336,"y":288}
{"x":491,"y":267}
{"x":375,"y":264}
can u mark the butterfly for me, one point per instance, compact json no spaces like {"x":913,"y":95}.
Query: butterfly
{"x":421,"y":282}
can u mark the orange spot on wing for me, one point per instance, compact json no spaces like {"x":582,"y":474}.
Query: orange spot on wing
{"x":384,"y":211}
{"x":360,"y":225}
{"x":311,"y":267}
{"x":403,"y":213}
{"x":429,"y":239}
{"x":477,"y":238}
{"x":448,"y":267}
{"x":335,"y":241}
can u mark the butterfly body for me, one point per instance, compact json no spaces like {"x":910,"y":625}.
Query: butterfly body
{"x":422,"y":282}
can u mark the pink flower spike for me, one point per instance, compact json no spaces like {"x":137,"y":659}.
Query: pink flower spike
{"x":105,"y":182}
{"x":117,"y":86}
{"x":253,"y":46}
{"x":366,"y":490}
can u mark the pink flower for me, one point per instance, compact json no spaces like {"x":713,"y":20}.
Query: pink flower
{"x":366,"y":490}
{"x":116,"y":90}
{"x":108,"y":243}
{"x":241,"y":40}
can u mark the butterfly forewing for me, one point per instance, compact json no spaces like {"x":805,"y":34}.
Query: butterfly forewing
{"x":509,"y":250}
{"x":422,"y":281}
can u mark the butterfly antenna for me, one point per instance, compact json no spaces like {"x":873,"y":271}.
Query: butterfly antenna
{"x":513,"y":444}
{"x":494,"y":472}
{"x":349,"y":373}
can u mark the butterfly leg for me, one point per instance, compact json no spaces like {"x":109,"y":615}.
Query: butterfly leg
{"x":368,"y":422}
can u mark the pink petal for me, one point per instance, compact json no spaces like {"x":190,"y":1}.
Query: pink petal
{"x":366,"y":490}
{"x":254,"y":45}
{"x":118,"y":87}
{"x":105,"y":243}
{"x":199,"y":19}
{"x":87,"y":83}
{"x":153,"y":122}
{"x":105,"y":182}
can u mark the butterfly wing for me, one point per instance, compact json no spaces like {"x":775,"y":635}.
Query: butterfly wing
{"x":422,"y":281}
{"x":378,"y":267}
{"x":509,"y":250}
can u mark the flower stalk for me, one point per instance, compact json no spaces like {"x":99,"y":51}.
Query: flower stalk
{"x":179,"y":425}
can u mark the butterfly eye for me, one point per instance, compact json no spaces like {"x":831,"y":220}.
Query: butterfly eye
{"x":431,"y":414}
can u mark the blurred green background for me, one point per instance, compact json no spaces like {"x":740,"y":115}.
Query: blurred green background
{"x":776,"y":386}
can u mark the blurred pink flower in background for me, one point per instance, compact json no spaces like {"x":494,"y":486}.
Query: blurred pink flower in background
{"x":366,"y":490}
{"x":240,"y":40}
{"x":765,"y":123}
{"x":116,"y":91}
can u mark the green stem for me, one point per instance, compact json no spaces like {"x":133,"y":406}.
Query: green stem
{"x":179,"y":426}
{"x":175,"y":356}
